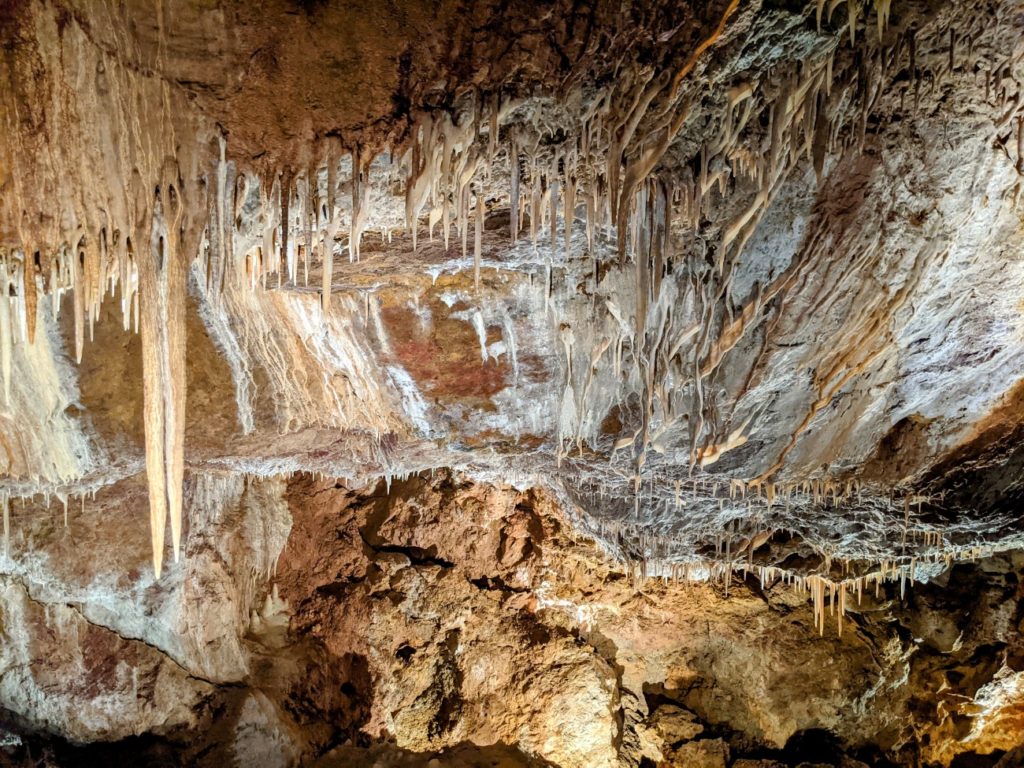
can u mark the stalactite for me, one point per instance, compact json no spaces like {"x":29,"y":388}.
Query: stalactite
{"x":308,"y":217}
{"x":176,"y":268}
{"x":535,"y":204}
{"x":553,"y":209}
{"x":492,"y":134}
{"x":513,"y":161}
{"x":329,"y":229}
{"x":478,"y":240}
{"x":28,"y":273}
{"x":283,"y":267}
{"x":153,"y":394}
{"x":163,"y":270}
{"x":360,"y":201}
{"x":6,"y":334}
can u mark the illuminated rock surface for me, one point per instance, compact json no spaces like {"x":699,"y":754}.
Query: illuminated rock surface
{"x":512,"y":383}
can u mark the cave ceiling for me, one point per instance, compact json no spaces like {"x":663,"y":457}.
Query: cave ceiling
{"x":722,"y":277}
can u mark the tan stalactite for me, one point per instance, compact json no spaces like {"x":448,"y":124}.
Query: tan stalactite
{"x":360,"y":200}
{"x":31,"y":297}
{"x":329,"y":228}
{"x":6,"y":331}
{"x":478,"y":232}
{"x":78,"y":302}
{"x":176,"y":269}
{"x":163,"y":269}
{"x":153,"y":396}
{"x":283,"y":266}
{"x":882,"y":10}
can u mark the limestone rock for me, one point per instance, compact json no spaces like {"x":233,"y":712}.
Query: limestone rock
{"x":705,"y":753}
{"x":589,"y":385}
{"x":675,"y":725}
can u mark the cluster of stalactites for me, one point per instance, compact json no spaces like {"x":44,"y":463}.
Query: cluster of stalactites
{"x":659,"y":336}
{"x":97,"y":266}
{"x":854,"y":8}
{"x":17,"y":315}
{"x":62,"y":495}
{"x":606,"y":171}
{"x":603,"y":173}
{"x":146,"y":264}
{"x":751,"y":500}
{"x":829,"y":596}
{"x":737,"y":539}
{"x":814,"y":112}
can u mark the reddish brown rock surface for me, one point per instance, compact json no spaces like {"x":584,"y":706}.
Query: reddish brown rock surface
{"x":459,"y":325}
{"x":453,"y":618}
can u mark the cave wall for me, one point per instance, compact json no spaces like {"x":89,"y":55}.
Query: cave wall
{"x":575,"y":384}
{"x":315,"y":620}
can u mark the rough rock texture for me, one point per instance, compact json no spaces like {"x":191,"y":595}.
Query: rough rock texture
{"x":447,"y":617}
{"x":514,"y":383}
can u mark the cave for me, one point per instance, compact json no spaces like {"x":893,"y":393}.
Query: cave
{"x":512,"y":383}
